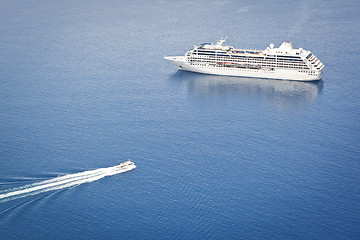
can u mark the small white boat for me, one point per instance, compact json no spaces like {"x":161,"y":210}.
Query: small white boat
{"x":125,"y":166}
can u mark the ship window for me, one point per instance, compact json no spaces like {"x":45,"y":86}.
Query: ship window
{"x":222,"y":55}
{"x":207,"y":54}
{"x":285,"y":56}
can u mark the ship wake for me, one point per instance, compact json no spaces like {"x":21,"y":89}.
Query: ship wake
{"x":57,"y":183}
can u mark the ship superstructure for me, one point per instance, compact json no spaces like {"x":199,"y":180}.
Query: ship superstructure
{"x":283,"y":62}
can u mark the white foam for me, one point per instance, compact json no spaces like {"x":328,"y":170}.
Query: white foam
{"x":57,"y":183}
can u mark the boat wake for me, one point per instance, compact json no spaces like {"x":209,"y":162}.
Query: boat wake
{"x":61,"y":182}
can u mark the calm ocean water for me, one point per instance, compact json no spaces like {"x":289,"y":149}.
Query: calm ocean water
{"x":83,"y":86}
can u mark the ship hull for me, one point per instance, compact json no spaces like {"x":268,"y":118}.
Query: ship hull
{"x":271,"y":73}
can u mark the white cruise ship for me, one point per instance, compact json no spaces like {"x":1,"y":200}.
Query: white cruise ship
{"x":283,"y":62}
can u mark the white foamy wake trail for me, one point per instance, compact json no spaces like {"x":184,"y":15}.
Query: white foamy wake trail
{"x":57,"y":183}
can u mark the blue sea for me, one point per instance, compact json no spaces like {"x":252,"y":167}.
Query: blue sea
{"x":84,"y":86}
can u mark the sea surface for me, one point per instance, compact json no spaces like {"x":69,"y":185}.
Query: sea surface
{"x":84,"y":87}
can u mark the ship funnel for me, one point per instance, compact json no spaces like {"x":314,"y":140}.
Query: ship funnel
{"x":221,"y":41}
{"x":286,"y":46}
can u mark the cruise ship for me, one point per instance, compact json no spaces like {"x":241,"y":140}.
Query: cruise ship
{"x":284,"y":62}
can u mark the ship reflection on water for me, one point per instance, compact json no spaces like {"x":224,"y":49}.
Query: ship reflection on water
{"x":279,"y":92}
